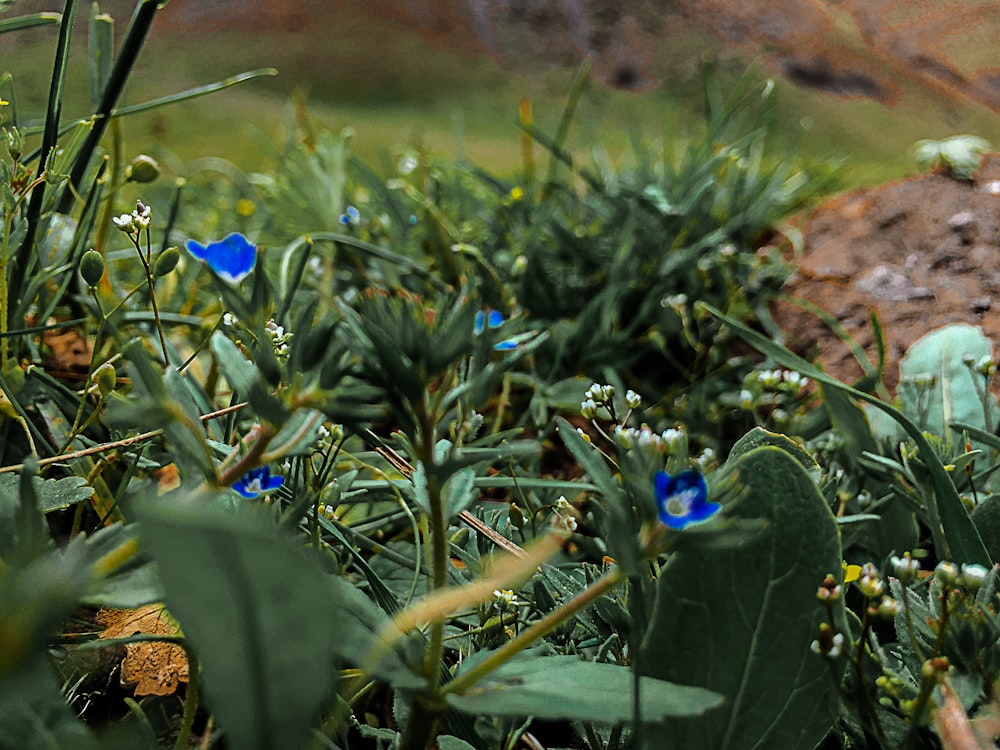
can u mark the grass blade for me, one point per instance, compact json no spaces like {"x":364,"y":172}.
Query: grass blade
{"x":30,"y":21}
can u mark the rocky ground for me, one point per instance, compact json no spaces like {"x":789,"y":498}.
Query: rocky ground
{"x":921,"y":252}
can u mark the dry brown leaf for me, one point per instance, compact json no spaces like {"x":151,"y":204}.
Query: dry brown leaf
{"x":167,"y":478}
{"x":70,"y":351}
{"x":153,"y":668}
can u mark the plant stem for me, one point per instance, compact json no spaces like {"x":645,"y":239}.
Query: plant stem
{"x":536,"y":631}
{"x":190,"y":702}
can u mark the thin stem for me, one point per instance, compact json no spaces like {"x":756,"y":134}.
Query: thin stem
{"x":151,"y":283}
{"x":191,"y":699}
{"x":537,"y":630}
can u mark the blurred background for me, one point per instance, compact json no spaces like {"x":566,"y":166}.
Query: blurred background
{"x":857,"y":80}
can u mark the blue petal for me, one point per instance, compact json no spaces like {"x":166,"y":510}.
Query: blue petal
{"x":505,"y":346}
{"x":232,"y":258}
{"x":492,"y":319}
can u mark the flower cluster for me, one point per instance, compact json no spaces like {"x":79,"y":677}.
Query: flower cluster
{"x":771,"y":388}
{"x":668,"y":441}
{"x":829,"y":644}
{"x":603,"y":396}
{"x":506,"y":600}
{"x":136,"y":221}
{"x":327,"y":511}
{"x":279,"y":339}
{"x":565,"y":514}
{"x":328,"y":436}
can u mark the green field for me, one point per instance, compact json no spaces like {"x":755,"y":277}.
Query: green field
{"x":393,"y":87}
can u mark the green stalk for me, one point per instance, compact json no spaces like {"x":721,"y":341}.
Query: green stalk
{"x":190,"y":701}
{"x":424,"y":713}
{"x":50,"y":136}
{"x":537,"y":630}
{"x":135,"y":37}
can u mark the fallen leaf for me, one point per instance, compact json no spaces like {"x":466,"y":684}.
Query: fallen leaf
{"x":154,"y":668}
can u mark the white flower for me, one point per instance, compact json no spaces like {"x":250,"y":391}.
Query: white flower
{"x":124,"y":223}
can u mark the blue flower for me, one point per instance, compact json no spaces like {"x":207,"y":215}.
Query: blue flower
{"x":683,"y":500}
{"x":493,"y":319}
{"x":232,"y":258}
{"x":350,"y":216}
{"x":257,"y":481}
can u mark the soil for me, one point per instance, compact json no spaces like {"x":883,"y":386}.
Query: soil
{"x":922,"y":252}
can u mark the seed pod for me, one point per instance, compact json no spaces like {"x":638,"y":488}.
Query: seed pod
{"x":92,"y":267}
{"x":166,"y":262}
{"x":142,"y":169}
{"x":106,"y":378}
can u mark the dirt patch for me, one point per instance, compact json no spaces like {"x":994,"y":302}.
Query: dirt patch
{"x":921,"y":252}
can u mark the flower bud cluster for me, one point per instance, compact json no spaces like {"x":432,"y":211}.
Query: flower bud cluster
{"x":762,"y":386}
{"x":327,"y":512}
{"x":328,"y":437}
{"x":506,"y":600}
{"x":830,"y":643}
{"x":985,"y":365}
{"x":829,"y":590}
{"x":870,"y":582}
{"x":643,"y":437}
{"x":905,"y":568}
{"x":136,"y":221}
{"x":565,"y":514}
{"x":279,"y":339}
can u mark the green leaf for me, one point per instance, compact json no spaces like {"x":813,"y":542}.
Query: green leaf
{"x":260,"y":616}
{"x":297,"y":436}
{"x":26,"y":22}
{"x":238,"y":371}
{"x":563,"y":687}
{"x":589,"y":459}
{"x":34,"y":714}
{"x":957,"y":394}
{"x":183,"y":96}
{"x":955,"y":536}
{"x":52,"y":494}
{"x":758,"y":437}
{"x":739,"y":621}
{"x":460,"y":491}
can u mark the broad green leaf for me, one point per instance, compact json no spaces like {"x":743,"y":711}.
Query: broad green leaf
{"x":957,"y":394}
{"x":955,"y":536}
{"x":52,"y":494}
{"x":739,"y":621}
{"x":564,"y":687}
{"x":758,"y":437}
{"x":259,"y":615}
